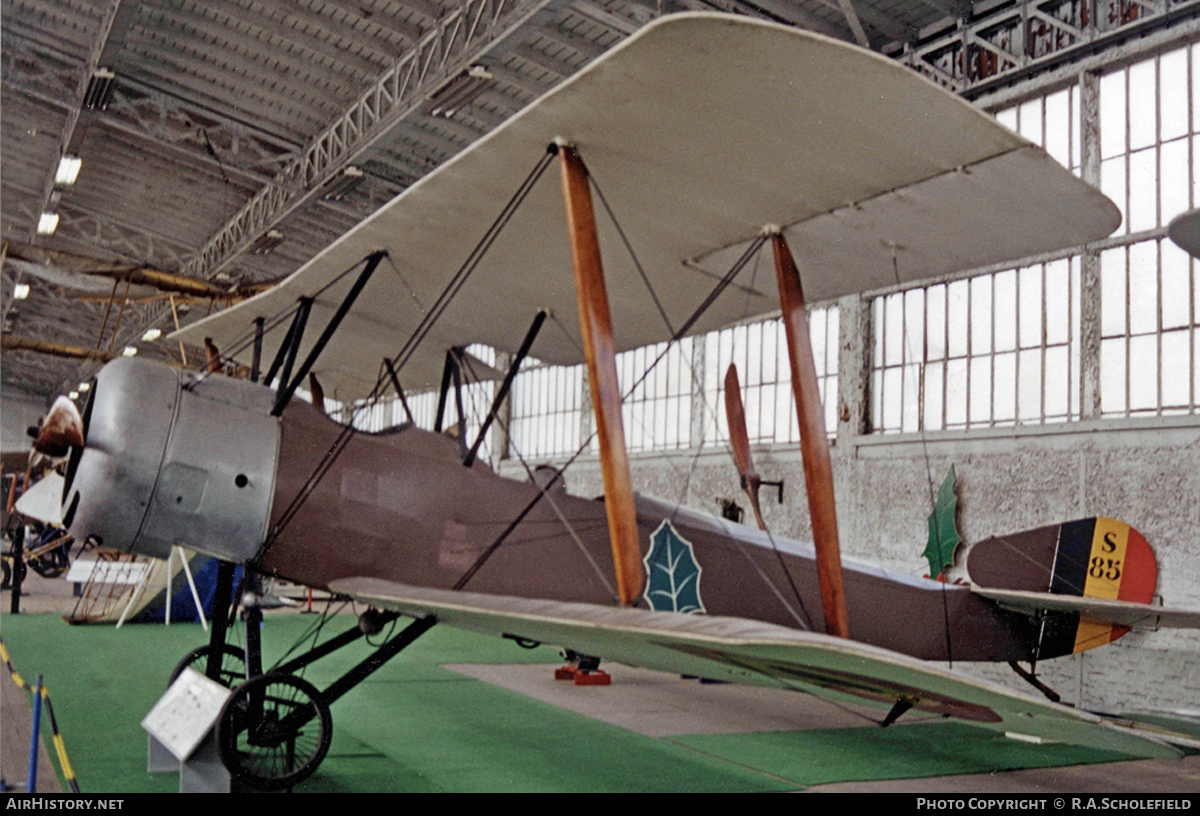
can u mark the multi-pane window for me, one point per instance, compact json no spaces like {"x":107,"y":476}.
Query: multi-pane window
{"x":1150,"y":343}
{"x":994,"y":349}
{"x":760,"y":352}
{"x":998,"y":349}
{"x":546,"y":411}
{"x":1010,"y":357}
{"x":1145,"y":131}
{"x":1149,"y":138}
{"x":656,"y":383}
{"x":661,"y":383}
{"x":1053,"y":122}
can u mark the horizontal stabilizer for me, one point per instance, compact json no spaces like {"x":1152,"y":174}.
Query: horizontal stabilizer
{"x":753,"y":653}
{"x":1122,"y":613}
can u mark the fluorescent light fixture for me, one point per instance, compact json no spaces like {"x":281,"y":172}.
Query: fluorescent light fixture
{"x":20,"y":291}
{"x":344,"y":183}
{"x":84,"y":386}
{"x":99,"y":90}
{"x":267,"y":242}
{"x":47,"y":224}
{"x":129,"y":351}
{"x":151,"y":335}
{"x":68,"y":170}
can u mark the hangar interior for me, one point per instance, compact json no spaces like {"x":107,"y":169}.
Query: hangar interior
{"x":220,"y":146}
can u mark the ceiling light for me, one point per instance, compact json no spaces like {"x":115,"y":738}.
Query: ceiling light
{"x":74,"y":395}
{"x":99,"y":90}
{"x":47,"y":224}
{"x":20,"y":291}
{"x":344,"y":183}
{"x":84,"y":386}
{"x":151,"y":335}
{"x":459,"y":92}
{"x":68,"y":170}
{"x":266,"y":242}
{"x":129,"y":351}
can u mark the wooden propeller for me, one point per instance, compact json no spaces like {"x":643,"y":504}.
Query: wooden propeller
{"x":61,"y":430}
{"x":739,"y":440}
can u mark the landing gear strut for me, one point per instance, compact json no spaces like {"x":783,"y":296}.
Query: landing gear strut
{"x":275,"y":729}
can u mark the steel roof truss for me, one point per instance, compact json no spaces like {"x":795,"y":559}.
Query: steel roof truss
{"x":463,"y":34}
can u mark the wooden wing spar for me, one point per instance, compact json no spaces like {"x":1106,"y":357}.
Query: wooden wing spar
{"x":699,"y":130}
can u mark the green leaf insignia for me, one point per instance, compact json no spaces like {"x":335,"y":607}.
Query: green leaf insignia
{"x":672,"y":573}
{"x":943,"y":535}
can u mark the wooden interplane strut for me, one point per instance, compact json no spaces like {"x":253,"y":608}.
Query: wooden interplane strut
{"x":814,"y":445}
{"x":600,"y":353}
{"x":739,"y":441}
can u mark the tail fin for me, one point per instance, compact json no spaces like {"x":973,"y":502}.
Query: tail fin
{"x":1099,"y":558}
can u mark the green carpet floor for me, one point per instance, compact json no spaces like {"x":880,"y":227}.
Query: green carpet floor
{"x":414,"y":726}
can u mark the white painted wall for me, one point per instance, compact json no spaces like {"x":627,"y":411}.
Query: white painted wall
{"x":1144,"y":472}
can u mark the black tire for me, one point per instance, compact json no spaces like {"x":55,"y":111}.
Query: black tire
{"x":274,"y":731}
{"x":51,"y":564}
{"x":233,"y":664}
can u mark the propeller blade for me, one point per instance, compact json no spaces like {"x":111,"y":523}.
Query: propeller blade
{"x":61,"y":430}
{"x":318,"y":393}
{"x":739,"y":440}
{"x":212,"y":356}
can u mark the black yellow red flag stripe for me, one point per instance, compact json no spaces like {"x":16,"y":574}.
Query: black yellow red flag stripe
{"x":1097,"y":558}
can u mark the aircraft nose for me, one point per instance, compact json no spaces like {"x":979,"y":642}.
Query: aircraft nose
{"x":126,"y":425}
{"x":173,"y":458}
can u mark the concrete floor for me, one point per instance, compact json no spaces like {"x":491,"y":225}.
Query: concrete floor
{"x":648,"y":703}
{"x":16,"y":716}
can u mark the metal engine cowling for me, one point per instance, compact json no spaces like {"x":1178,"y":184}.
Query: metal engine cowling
{"x":173,"y":458}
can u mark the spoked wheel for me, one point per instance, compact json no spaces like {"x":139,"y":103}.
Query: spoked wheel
{"x":51,"y":564}
{"x":233,"y":664}
{"x":274,"y":731}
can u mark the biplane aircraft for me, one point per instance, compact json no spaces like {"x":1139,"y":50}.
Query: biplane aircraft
{"x":708,"y":138}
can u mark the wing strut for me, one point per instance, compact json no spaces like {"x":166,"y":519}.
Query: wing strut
{"x":599,"y":351}
{"x":286,"y":387}
{"x":814,"y":446}
{"x":391,"y":370}
{"x":513,"y":368}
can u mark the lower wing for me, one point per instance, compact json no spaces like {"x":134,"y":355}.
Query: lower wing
{"x":749,"y":652}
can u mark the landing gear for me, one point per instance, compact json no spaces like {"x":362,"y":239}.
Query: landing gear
{"x":275,"y":728}
{"x":274,"y":731}
{"x":1031,"y":678}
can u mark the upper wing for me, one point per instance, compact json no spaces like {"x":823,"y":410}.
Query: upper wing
{"x":699,"y":130}
{"x":1122,"y":613}
{"x":744,"y":651}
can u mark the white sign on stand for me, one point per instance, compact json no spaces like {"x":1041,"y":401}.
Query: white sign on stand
{"x":182,"y":723}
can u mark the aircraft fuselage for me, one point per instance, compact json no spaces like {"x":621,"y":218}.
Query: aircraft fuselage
{"x":175,"y":459}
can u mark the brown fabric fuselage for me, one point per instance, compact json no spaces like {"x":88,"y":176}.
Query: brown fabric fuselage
{"x":401,"y":506}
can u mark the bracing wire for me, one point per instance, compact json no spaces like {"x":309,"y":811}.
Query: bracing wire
{"x":419,"y":333}
{"x":570,"y":528}
{"x":244,"y":341}
{"x":928,"y":464}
